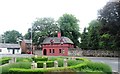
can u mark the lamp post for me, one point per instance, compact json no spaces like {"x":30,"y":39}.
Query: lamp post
{"x":31,"y":40}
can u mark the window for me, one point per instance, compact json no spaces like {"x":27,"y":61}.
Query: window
{"x":53,"y":51}
{"x":63,"y":51}
{"x":17,"y":50}
{"x":8,"y":50}
{"x":0,"y":50}
{"x":60,"y":50}
{"x":50,"y":50}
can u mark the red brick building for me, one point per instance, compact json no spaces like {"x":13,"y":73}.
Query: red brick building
{"x":26,"y":46}
{"x":56,"y":46}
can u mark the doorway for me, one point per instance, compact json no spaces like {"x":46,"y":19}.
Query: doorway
{"x":13,"y":51}
{"x":44,"y":52}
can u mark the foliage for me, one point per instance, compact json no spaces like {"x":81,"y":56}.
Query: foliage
{"x":84,"y":39}
{"x":73,"y":62}
{"x":36,"y":59}
{"x":109,"y":16}
{"x":58,"y":59}
{"x":42,"y":28}
{"x":93,"y":34}
{"x":69,"y":27}
{"x":48,"y":64}
{"x":83,"y":67}
{"x":25,"y":65}
{"x":4,"y":60}
{"x":12,"y":36}
{"x":23,"y":60}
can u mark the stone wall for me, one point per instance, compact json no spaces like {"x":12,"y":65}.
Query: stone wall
{"x":93,"y":53}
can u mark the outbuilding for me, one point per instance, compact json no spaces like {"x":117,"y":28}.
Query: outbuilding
{"x":10,"y":48}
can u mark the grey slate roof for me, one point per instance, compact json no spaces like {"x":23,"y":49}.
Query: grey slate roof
{"x":27,"y":41}
{"x":2,"y":45}
{"x":57,"y":40}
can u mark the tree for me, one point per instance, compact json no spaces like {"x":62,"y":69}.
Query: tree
{"x":93,"y":34}
{"x":109,"y":16}
{"x":69,"y":27}
{"x":84,"y":39}
{"x":12,"y":36}
{"x":42,"y":27}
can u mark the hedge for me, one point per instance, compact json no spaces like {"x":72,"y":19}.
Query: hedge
{"x":86,"y":67}
{"x":48,"y":64}
{"x":5,"y":69}
{"x":24,"y":60}
{"x":4,"y":60}
{"x":40,"y":59}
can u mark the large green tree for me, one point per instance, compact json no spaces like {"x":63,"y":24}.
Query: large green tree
{"x":93,"y":34}
{"x":109,"y":15}
{"x":84,"y":39}
{"x":42,"y":27}
{"x":12,"y":36}
{"x":69,"y":27}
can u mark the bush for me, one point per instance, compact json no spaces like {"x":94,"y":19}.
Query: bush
{"x":4,"y":60}
{"x":40,"y":59}
{"x":5,"y":69}
{"x":23,"y":60}
{"x":73,"y":62}
{"x":48,"y":64}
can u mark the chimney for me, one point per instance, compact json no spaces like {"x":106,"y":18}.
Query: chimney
{"x":59,"y":35}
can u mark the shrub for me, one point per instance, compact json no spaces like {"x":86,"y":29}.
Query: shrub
{"x":40,"y":59}
{"x":26,"y":65}
{"x":73,"y":62}
{"x":48,"y":64}
{"x":83,"y":59}
{"x":4,"y":60}
{"x":23,"y":60}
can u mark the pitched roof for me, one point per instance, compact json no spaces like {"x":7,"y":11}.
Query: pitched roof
{"x":2,"y":45}
{"x":57,"y":40}
{"x":27,"y":41}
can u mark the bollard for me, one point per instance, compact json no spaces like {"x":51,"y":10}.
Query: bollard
{"x":33,"y":65}
{"x":35,"y":56}
{"x":44,"y":65}
{"x":65,"y":62}
{"x":55,"y":64}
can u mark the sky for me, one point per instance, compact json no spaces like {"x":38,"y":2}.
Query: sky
{"x":20,"y":14}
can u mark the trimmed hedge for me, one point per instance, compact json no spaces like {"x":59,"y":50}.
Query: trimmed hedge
{"x":24,"y":60}
{"x":87,"y":67}
{"x":4,"y":60}
{"x":5,"y":69}
{"x":40,"y":59}
{"x":48,"y":64}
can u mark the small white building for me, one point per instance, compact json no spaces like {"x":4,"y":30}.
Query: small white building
{"x":10,"y":48}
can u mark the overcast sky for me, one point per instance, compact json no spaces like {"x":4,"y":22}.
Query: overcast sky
{"x":20,"y":14}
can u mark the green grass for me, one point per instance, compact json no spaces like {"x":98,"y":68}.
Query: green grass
{"x":24,"y":60}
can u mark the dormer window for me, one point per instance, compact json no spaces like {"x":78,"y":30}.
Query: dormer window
{"x":61,"y":41}
{"x":51,"y":41}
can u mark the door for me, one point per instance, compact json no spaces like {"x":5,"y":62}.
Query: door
{"x":13,"y":51}
{"x":44,"y":52}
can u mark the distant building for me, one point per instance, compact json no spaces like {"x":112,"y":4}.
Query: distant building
{"x":56,"y":46}
{"x":26,"y":46}
{"x":10,"y":48}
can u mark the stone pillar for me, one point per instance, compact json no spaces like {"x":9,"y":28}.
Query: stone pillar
{"x":44,"y":65}
{"x":13,"y":60}
{"x":55,"y":64}
{"x":35,"y":56}
{"x":10,"y":61}
{"x":33,"y":65}
{"x":65,"y":63}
